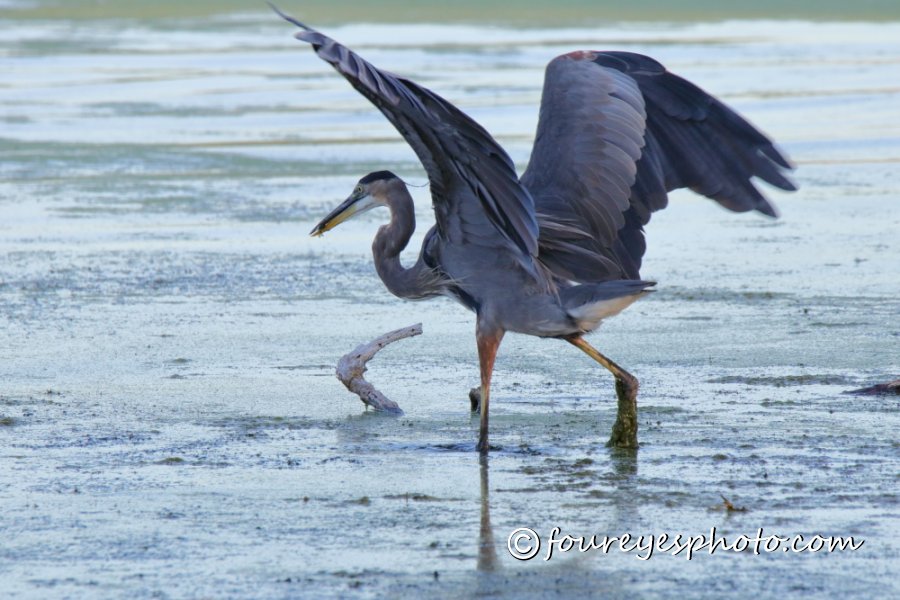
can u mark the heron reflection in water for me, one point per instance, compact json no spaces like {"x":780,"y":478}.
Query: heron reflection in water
{"x":558,"y":250}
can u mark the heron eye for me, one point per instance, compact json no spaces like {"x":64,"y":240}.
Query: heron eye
{"x":358,"y":190}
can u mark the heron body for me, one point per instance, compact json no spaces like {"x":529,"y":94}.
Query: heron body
{"x":554,"y":252}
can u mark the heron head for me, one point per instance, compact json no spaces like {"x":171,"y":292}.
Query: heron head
{"x":370,"y":191}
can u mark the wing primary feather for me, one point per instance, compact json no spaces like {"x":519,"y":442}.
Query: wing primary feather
{"x":464,"y":163}
{"x":616,"y":133}
{"x":287,"y":17}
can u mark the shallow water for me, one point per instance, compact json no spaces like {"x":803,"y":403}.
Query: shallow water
{"x":170,"y":424}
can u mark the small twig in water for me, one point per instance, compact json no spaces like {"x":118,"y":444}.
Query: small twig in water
{"x":350,"y":369}
{"x":729,"y":507}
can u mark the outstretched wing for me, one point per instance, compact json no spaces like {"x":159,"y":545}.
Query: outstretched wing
{"x":617,"y":132}
{"x":476,"y":192}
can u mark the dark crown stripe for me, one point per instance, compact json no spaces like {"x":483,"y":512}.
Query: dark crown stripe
{"x":377,"y":175}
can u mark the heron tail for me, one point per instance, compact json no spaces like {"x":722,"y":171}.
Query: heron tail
{"x":590,"y":303}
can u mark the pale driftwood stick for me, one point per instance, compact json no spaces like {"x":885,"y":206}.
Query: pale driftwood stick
{"x":350,"y":369}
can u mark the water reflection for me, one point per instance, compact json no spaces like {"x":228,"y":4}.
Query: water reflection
{"x":487,"y":550}
{"x":568,"y":573}
{"x":623,"y":475}
{"x":625,"y":508}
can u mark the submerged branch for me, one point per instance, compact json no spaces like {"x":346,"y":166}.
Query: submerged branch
{"x":350,"y":369}
{"x":882,"y":389}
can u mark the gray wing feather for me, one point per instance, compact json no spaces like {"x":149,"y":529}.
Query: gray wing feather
{"x":465,"y":165}
{"x":693,"y":141}
{"x":584,"y":164}
{"x":687,"y":138}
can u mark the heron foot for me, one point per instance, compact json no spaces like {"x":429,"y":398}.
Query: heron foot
{"x":475,"y":399}
{"x":624,"y":431}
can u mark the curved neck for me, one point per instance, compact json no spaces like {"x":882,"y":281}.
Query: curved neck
{"x":391,"y":240}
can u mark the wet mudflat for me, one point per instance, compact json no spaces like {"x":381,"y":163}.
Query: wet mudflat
{"x":170,"y":425}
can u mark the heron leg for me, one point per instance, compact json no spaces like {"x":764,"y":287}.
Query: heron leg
{"x":624,"y":432}
{"x":488,"y":343}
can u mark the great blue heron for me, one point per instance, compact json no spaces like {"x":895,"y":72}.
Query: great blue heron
{"x":556,"y":251}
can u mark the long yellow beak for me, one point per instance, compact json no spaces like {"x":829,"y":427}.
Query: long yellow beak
{"x":350,"y":207}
